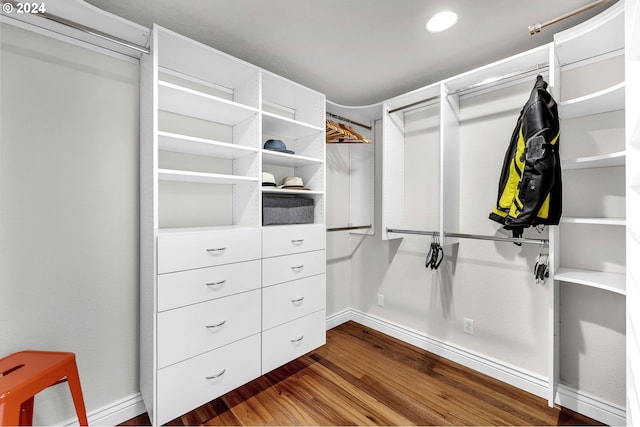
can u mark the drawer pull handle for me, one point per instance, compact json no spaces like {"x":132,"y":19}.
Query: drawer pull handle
{"x":297,"y":300}
{"x":297,"y":268}
{"x":218,"y":375}
{"x":221,"y":282}
{"x":216,"y":325}
{"x":295,"y":340}
{"x":216,"y":251}
{"x":297,"y":242}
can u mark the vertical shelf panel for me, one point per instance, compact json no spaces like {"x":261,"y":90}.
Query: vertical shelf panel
{"x":449,"y":165}
{"x":392,"y":172}
{"x":632,"y":118}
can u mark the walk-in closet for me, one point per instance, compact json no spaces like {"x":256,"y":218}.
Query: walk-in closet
{"x":318,"y":213}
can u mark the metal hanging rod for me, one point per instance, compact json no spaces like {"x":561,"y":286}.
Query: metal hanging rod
{"x":537,"y":67}
{"x":543,"y":242}
{"x":413,"y":104}
{"x":353,"y":122}
{"x":355,"y":227}
{"x":84,"y":29}
{"x":534,"y":29}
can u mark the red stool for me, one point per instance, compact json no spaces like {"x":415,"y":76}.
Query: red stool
{"x":26,"y":373}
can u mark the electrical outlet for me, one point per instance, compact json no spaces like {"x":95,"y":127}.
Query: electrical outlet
{"x":381,"y":300}
{"x":468,"y":326}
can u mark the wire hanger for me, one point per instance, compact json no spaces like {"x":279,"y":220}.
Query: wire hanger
{"x":541,"y":269}
{"x":435,"y":254}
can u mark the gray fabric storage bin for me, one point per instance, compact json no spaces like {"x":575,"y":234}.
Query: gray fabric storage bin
{"x":286,"y":210}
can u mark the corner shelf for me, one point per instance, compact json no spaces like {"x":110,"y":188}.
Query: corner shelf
{"x":600,"y":161}
{"x":188,"y":102}
{"x":201,"y":177}
{"x":614,"y":282}
{"x":178,"y":143}
{"x":603,"y":101}
{"x":595,"y":221}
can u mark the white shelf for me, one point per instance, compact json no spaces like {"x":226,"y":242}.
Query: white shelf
{"x":188,"y":102}
{"x":200,"y":146}
{"x":601,"y":161}
{"x":614,"y":282}
{"x":202,"y":177}
{"x":181,"y":230}
{"x":272,"y":190}
{"x":283,"y":127}
{"x":594,"y":221}
{"x":597,"y":36}
{"x":275,"y":158}
{"x":603,"y":101}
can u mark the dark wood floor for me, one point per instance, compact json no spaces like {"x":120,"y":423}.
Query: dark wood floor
{"x":363,"y":377}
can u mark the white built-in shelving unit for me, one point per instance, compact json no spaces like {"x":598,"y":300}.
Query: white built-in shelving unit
{"x":224,"y":299}
{"x":579,"y":53}
{"x":597,"y":221}
{"x":576,"y":52}
{"x":632,"y":117}
{"x":361,"y":164}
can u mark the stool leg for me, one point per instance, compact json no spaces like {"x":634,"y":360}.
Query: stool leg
{"x":9,"y":414}
{"x":26,"y":412}
{"x":76,"y":393}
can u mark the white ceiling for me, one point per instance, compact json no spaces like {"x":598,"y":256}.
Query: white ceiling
{"x":357,"y":52}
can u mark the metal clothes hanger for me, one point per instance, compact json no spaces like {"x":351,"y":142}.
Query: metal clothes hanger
{"x":435,"y":254}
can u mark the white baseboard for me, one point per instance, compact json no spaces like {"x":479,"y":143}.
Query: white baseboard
{"x":114,"y":413}
{"x":338,"y":318}
{"x":584,"y":403}
{"x":591,"y":406}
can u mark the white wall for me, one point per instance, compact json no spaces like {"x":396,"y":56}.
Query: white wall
{"x":69,"y":214}
{"x":338,"y":243}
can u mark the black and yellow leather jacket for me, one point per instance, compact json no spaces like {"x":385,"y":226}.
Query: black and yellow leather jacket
{"x":530,"y":187}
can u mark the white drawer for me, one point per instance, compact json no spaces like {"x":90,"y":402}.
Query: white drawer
{"x":189,"y":384}
{"x":289,"y":239}
{"x":203,"y":284}
{"x":188,"y":331}
{"x":288,"y":301}
{"x":291,"y":340}
{"x":292,"y":267}
{"x":195,"y":249}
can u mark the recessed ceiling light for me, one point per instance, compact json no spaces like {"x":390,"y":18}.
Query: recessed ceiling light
{"x":441,"y":21}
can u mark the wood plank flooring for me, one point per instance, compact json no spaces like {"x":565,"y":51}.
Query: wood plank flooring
{"x":363,"y":377}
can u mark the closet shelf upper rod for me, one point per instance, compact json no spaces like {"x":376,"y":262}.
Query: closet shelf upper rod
{"x":413,"y":104}
{"x":354,"y":227}
{"x":543,"y":242}
{"x":353,"y":122}
{"x":533,"y":29}
{"x":84,"y":29}
{"x":537,"y":67}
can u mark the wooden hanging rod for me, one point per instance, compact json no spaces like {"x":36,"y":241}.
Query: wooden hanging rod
{"x":543,"y":242}
{"x":354,"y":227}
{"x":534,"y":29}
{"x":353,"y":122}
